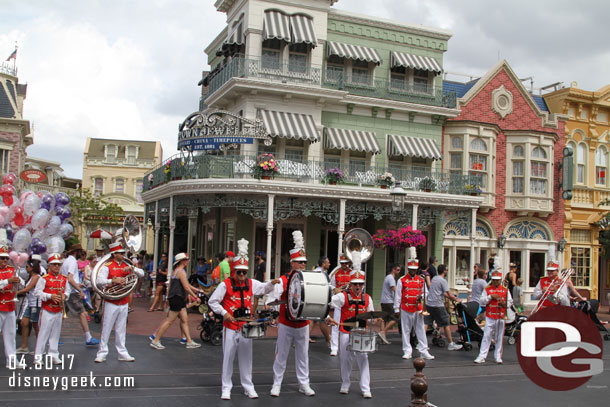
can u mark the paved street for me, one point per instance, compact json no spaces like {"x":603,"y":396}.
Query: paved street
{"x":191,"y":377}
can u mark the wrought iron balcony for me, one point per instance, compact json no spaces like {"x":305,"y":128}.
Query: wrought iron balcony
{"x":206,"y":166}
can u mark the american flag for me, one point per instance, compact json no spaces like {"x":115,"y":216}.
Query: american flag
{"x":13,"y":55}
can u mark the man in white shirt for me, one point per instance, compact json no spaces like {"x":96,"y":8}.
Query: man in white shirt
{"x":387,"y":301}
{"x":75,"y":291}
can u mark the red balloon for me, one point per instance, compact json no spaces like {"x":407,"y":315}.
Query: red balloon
{"x":9,"y":178}
{"x":7,"y":199}
{"x":19,"y":221}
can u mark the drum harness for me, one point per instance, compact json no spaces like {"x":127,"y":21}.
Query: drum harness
{"x":243,"y":311}
{"x":351,"y":301}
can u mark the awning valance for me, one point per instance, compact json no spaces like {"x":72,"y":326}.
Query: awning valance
{"x":355,"y":140}
{"x":350,"y":51}
{"x":235,"y":39}
{"x":415,"y":62}
{"x":290,"y":125}
{"x":302,"y":30}
{"x":276,"y":25}
{"x":414,"y":147}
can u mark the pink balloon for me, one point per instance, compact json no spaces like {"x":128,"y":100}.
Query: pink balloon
{"x":4,"y":210}
{"x":1,"y":219}
{"x":23,"y":257}
{"x":14,"y":256}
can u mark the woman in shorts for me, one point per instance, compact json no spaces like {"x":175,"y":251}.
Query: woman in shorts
{"x":32,"y":304}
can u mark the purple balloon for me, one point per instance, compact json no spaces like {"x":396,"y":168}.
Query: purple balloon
{"x":47,"y":202}
{"x":62,"y":199}
{"x":63,"y":212}
{"x":10,"y":233}
{"x":38,"y":248}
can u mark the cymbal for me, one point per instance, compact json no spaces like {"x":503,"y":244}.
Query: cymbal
{"x":277,"y":302}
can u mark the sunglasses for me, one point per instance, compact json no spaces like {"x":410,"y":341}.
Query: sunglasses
{"x":243,"y":272}
{"x":300,"y":262}
{"x":357,"y":283}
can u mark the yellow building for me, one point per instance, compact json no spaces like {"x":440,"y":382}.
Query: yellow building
{"x":114,"y":170}
{"x":587,"y":133}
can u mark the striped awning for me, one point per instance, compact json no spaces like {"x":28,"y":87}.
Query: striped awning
{"x":350,"y":51}
{"x":235,"y":39}
{"x":302,"y":30}
{"x":415,"y":62}
{"x":276,"y":25}
{"x":414,"y":147}
{"x":290,"y":125}
{"x":355,"y":140}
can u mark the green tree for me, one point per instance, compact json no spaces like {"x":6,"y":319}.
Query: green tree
{"x":87,"y":209}
{"x":604,"y":228}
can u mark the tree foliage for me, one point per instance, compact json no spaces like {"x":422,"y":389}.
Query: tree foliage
{"x":87,"y":209}
{"x":604,"y":229}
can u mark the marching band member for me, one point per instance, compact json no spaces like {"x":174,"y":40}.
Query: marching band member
{"x":289,"y":330}
{"x":8,"y":278}
{"x":497,"y":299}
{"x":338,"y":283}
{"x":232,"y":299}
{"x":349,"y":304}
{"x":408,"y":300}
{"x":545,"y":283}
{"x":52,"y":289}
{"x":115,"y":311}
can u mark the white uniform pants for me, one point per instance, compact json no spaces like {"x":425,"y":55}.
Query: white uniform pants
{"x":494,"y":328}
{"x":115,"y":316}
{"x":285,"y":336}
{"x":233,"y":342}
{"x":8,"y":328}
{"x":334,"y":331}
{"x":49,"y":331}
{"x":347,"y":359}
{"x":407,"y":320}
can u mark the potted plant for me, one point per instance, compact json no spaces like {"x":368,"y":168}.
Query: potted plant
{"x":167,"y":169}
{"x":400,"y":238}
{"x":386,"y":180}
{"x":472,"y":189}
{"x":265,"y":167}
{"x":427,"y":184}
{"x":333,"y":175}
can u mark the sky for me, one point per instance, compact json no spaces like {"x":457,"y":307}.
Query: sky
{"x":128,"y":69}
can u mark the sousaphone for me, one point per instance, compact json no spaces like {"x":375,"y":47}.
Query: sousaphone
{"x":357,"y":240}
{"x":130,"y":236}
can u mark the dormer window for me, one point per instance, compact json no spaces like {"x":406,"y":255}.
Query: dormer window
{"x":111,"y":152}
{"x":131,"y":154}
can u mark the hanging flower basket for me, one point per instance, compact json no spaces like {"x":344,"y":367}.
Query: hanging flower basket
{"x":266,"y":166}
{"x":399,"y":238}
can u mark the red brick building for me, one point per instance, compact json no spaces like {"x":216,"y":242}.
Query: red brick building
{"x":511,"y":145}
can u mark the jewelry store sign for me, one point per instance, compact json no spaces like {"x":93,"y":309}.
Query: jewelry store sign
{"x":219,"y":130}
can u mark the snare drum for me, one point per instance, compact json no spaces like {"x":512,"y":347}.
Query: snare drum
{"x":308,"y":295}
{"x":362,"y":341}
{"x":253,"y":330}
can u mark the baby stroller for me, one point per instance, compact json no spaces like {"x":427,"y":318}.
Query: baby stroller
{"x":513,"y":329}
{"x":211,"y":328}
{"x":590,"y":308}
{"x":467,"y":327}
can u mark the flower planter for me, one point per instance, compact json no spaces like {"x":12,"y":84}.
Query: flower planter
{"x":265,"y":176}
{"x":428,"y":190}
{"x":332,"y":182}
{"x":383,"y":186}
{"x":473,"y":194}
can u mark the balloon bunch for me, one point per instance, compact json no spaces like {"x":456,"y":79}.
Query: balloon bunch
{"x":35,"y":223}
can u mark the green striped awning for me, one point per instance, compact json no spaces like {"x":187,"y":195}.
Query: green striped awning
{"x":415,"y":62}
{"x":355,"y":140}
{"x":414,"y":147}
{"x":356,"y":52}
{"x":290,"y":125}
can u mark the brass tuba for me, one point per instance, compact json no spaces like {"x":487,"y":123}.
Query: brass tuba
{"x":130,"y":236}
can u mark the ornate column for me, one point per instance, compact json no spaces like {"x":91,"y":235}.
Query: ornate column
{"x":172,"y":228}
{"x":270,"y":204}
{"x":155,"y":249}
{"x":341,"y":229}
{"x":414,"y":220}
{"x":191,"y":232}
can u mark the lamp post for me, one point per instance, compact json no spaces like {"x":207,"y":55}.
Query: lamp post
{"x":561,"y":246}
{"x":501,"y":243}
{"x":398,"y":195}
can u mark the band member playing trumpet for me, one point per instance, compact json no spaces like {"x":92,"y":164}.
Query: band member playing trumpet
{"x":497,"y":299}
{"x":289,"y":330}
{"x":115,"y":311}
{"x":233,"y":299}
{"x":349,"y":304}
{"x":8,"y":278}
{"x":339,"y":282}
{"x":408,"y":299}
{"x":52,"y":289}
{"x":551,"y":283}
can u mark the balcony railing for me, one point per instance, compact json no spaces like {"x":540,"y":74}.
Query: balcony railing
{"x":414,"y":178}
{"x":334,"y":78}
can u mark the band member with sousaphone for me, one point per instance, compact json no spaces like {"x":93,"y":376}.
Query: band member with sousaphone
{"x":497,"y":299}
{"x":289,"y":330}
{"x":52,"y":289}
{"x":339,"y":282}
{"x":350,"y":303}
{"x":408,"y":300}
{"x":114,"y":273}
{"x":8,"y":280}
{"x":233,"y":300}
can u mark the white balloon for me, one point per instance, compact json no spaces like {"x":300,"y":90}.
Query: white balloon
{"x":55,"y":244}
{"x":40,"y":218}
{"x":22,"y":240}
{"x":66,"y":230}
{"x":53,"y":227}
{"x":31,"y":204}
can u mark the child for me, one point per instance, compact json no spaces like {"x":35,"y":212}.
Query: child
{"x":517,"y":294}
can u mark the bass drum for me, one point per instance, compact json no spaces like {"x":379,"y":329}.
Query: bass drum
{"x":308,"y":296}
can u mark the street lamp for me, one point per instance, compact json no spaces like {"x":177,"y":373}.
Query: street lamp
{"x":398,"y":197}
{"x":501,"y":241}
{"x":561,"y":246}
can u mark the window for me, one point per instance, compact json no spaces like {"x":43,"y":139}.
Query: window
{"x":518,"y":169}
{"x":271,"y":54}
{"x":99,"y":187}
{"x":478,"y":162}
{"x":335,"y":69}
{"x":294,"y":154}
{"x":457,"y":142}
{"x":4,"y":160}
{"x":297,"y":59}
{"x":131,"y":154}
{"x":111,"y":153}
{"x":581,"y":263}
{"x":360,"y":72}
{"x":601,"y":165}
{"x":398,"y":77}
{"x":420,"y":80}
{"x":538,"y":172}
{"x":455,"y":157}
{"x":581,"y":151}
{"x":139,"y":187}
{"x":119,"y":186}
{"x":332,"y":161}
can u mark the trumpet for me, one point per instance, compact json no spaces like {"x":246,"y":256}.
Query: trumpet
{"x":553,"y":290}
{"x":505,"y":285}
{"x":63,"y":307}
{"x":424,"y":310}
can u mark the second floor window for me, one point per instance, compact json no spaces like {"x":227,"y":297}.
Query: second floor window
{"x":360,"y":72}
{"x":99,"y":187}
{"x":518,"y":170}
{"x":538,"y":173}
{"x":420,"y":80}
{"x":297,"y":59}
{"x":581,"y":153}
{"x":139,"y":187}
{"x":4,"y":160}
{"x":271,"y":55}
{"x":119,"y":186}
{"x":601,"y":165}
{"x":478,"y":161}
{"x":131,"y":154}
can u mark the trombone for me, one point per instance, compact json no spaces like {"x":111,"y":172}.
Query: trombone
{"x":552,"y":292}
{"x":424,"y":310}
